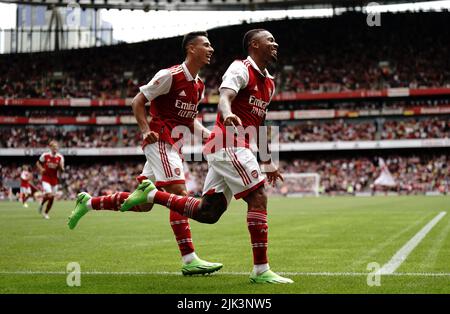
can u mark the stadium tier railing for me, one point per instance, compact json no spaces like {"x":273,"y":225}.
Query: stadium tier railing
{"x":213,"y":99}
{"x":283,"y":147}
{"x":211,"y":117}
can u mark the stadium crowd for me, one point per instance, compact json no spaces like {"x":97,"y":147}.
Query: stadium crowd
{"x":304,"y":131}
{"x":336,"y":130}
{"x":416,"y":129}
{"x":345,"y":175}
{"x":357,"y":130}
{"x":413,"y":174}
{"x":83,"y":137}
{"x":407,"y":50}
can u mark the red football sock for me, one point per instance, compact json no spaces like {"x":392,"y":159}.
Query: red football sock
{"x":112,"y":202}
{"x":184,"y":205}
{"x":109,"y":202}
{"x":257,"y":226}
{"x":182,"y":231}
{"x":141,"y":178}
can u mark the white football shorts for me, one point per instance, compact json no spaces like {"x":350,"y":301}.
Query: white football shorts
{"x":48,"y":188}
{"x":24,"y":190}
{"x":164,"y":165}
{"x":233,"y":171}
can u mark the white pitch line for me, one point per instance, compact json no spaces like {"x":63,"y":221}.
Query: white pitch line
{"x":164,"y":273}
{"x":401,"y":255}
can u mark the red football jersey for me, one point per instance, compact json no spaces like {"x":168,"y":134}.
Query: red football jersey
{"x":178,"y":103}
{"x":25,"y":178}
{"x":51,"y":164}
{"x":250,"y":104}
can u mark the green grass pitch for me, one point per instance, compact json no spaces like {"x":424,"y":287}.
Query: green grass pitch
{"x":323,"y":244}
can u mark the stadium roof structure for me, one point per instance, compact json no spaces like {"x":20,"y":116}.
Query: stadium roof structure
{"x":205,"y":5}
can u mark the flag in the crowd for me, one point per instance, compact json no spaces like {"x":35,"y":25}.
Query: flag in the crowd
{"x":385,"y":178}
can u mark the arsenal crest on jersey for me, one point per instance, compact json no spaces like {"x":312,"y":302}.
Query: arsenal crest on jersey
{"x":255,"y":174}
{"x":177,"y":171}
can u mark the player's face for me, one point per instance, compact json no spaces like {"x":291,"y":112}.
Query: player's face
{"x":268,"y":46}
{"x":54,"y":148}
{"x":202,"y":49}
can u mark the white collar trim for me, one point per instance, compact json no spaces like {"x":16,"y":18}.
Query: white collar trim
{"x":252,"y":62}
{"x":187,"y":73}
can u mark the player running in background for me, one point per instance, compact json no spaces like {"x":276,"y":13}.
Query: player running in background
{"x":245,"y":93}
{"x":174,"y":94}
{"x":25,"y":186}
{"x":49,"y":164}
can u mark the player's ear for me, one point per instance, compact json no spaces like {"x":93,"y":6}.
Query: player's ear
{"x":254,"y":43}
{"x":191,"y":48}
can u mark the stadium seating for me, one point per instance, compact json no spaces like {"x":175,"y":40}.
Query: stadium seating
{"x":408,"y":50}
{"x":399,"y":73}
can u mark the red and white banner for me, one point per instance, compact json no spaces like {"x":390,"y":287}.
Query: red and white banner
{"x":213,"y":99}
{"x":283,"y":147}
{"x":211,"y":117}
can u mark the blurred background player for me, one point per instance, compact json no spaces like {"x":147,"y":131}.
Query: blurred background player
{"x":174,"y":94}
{"x":246,"y":91}
{"x":25,"y":186}
{"x":49,"y":164}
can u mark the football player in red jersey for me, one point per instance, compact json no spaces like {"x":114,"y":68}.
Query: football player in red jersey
{"x":174,"y":94}
{"x":245,"y":93}
{"x":25,"y":186}
{"x":49,"y":164}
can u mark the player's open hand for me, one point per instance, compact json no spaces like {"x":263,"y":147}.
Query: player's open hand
{"x":232,"y":120}
{"x":150,"y":137}
{"x":273,"y":176}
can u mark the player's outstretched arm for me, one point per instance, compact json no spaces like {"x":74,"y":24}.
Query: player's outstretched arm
{"x":227,"y":95}
{"x":199,"y":128}
{"x":61,"y":165}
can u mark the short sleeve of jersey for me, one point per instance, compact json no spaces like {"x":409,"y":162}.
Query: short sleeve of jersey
{"x":159,"y":85}
{"x":42,"y":158}
{"x":236,"y":77}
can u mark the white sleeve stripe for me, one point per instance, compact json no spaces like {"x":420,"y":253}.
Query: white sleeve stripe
{"x":178,"y":68}
{"x":178,"y":71}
